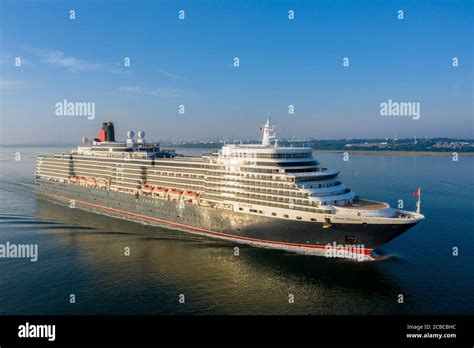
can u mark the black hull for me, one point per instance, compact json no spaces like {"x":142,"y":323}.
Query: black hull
{"x":299,"y":236}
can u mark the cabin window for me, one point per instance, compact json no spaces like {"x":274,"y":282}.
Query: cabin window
{"x":286,"y":216}
{"x":241,"y":208}
{"x":298,"y":217}
{"x":313,"y":219}
{"x":274,"y":214}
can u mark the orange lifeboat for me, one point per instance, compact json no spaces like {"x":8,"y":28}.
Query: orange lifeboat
{"x":82,"y":180}
{"x":174,"y":194}
{"x":160,"y":191}
{"x":147,"y":189}
{"x":91,"y":181}
{"x":190,"y":197}
{"x":73,"y":179}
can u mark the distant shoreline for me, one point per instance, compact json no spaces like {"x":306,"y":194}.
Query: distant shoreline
{"x":399,"y":153}
{"x":355,"y":152}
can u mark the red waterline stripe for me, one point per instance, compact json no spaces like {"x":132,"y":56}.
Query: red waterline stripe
{"x":143,"y":217}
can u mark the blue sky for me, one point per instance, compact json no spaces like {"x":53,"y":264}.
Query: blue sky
{"x":190,"y":62}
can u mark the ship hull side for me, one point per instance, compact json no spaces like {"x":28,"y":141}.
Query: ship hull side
{"x":269,"y":232}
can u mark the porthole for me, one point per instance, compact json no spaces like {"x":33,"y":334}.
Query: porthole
{"x":351,"y":240}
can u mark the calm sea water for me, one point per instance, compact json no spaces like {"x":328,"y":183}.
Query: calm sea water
{"x":82,"y":253}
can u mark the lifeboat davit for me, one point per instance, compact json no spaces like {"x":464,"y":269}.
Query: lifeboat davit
{"x":101,"y":182}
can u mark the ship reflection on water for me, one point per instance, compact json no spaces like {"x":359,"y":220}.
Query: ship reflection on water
{"x":164,"y":264}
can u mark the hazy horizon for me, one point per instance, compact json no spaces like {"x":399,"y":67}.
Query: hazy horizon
{"x":60,"y":143}
{"x":190,"y":62}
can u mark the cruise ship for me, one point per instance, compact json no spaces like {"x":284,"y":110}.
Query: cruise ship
{"x":263,"y":194}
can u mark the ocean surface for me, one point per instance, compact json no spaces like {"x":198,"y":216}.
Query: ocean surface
{"x":82,"y":253}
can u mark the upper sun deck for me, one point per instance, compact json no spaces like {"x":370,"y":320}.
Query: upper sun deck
{"x":265,"y":151}
{"x":123,"y":150}
{"x":106,"y":146}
